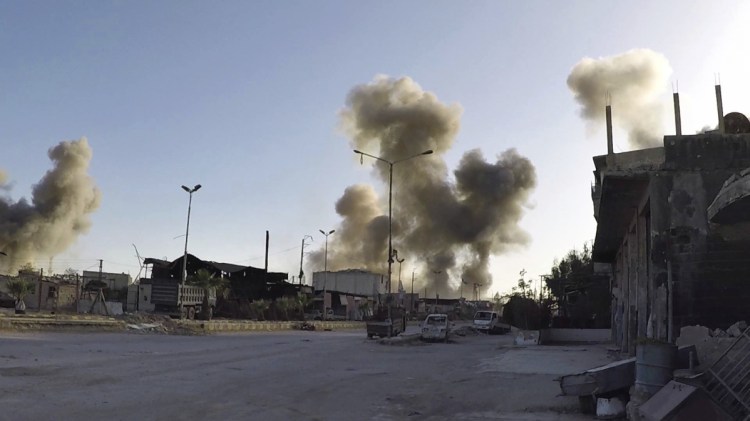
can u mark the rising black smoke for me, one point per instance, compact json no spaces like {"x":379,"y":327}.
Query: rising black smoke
{"x":58,"y":212}
{"x":439,"y":224}
{"x":634,"y":81}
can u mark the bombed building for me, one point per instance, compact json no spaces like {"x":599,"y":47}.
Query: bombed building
{"x":672,"y":229}
{"x":246,"y":282}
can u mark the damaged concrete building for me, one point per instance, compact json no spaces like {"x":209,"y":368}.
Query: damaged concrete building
{"x":673,"y":261}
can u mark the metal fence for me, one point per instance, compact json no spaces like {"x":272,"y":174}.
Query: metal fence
{"x":728,"y":380}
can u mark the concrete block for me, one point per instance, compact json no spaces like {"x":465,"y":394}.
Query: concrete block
{"x":526,"y":337}
{"x":692,"y":335}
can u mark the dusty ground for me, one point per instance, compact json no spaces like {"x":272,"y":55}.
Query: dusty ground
{"x":282,"y":375}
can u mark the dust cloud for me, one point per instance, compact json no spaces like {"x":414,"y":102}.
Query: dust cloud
{"x":446,"y":228}
{"x":634,"y":81}
{"x":58,"y":213}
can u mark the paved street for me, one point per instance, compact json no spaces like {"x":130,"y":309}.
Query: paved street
{"x":282,"y":376}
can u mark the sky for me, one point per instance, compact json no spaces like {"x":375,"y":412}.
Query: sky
{"x":244,"y":98}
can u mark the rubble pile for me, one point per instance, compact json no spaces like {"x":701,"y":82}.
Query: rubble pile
{"x":157,"y":324}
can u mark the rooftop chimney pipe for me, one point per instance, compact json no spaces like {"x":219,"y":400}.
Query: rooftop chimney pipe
{"x":677,"y":117}
{"x":719,"y":108}
{"x":610,"y":147}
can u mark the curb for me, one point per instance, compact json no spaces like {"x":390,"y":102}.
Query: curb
{"x":250,"y":326}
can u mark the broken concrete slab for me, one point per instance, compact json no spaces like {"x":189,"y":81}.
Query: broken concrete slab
{"x":678,"y":401}
{"x":736,"y":329}
{"x":600,"y":380}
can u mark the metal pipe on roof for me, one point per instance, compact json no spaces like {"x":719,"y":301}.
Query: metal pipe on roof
{"x":677,"y":116}
{"x":610,"y":146}
{"x":719,"y":108}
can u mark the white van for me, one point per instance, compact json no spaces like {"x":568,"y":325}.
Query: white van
{"x":488,"y":321}
{"x":436,"y":327}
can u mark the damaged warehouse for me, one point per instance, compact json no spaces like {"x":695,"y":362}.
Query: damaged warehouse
{"x":673,"y":262}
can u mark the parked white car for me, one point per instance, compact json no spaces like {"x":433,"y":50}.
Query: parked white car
{"x":436,"y":327}
{"x":490,"y":322}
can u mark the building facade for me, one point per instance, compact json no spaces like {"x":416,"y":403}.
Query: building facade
{"x":669,"y":264}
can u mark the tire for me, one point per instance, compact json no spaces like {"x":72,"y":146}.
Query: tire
{"x":191,"y":313}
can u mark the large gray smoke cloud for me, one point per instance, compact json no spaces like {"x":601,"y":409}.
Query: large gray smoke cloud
{"x":58,"y":213}
{"x":634,"y":80}
{"x":439,"y":224}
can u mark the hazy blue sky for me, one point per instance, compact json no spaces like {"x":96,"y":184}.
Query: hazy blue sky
{"x":243,"y":98}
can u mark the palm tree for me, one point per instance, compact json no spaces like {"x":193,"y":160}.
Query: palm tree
{"x":19,"y":289}
{"x":303,"y":300}
{"x":283,"y":304}
{"x":259,"y":307}
{"x":206,"y":280}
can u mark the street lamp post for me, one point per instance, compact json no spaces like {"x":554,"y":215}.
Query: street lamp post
{"x":187,"y":229}
{"x":325,"y":272}
{"x":436,"y":272}
{"x":390,"y":202}
{"x":400,"y":285}
{"x":412,"y":293}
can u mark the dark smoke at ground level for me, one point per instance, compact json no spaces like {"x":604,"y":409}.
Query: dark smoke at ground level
{"x":445,"y":229}
{"x":58,"y":213}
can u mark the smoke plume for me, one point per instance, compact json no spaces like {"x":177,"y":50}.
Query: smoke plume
{"x":634,"y":80}
{"x":58,"y":212}
{"x":450,"y":226}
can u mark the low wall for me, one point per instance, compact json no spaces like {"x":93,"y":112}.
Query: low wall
{"x":114,"y":308}
{"x":575,"y":335}
{"x":250,"y":325}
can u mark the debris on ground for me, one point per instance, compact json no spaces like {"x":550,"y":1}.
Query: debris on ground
{"x":465,"y":331}
{"x":159,"y":324}
{"x":304,"y":326}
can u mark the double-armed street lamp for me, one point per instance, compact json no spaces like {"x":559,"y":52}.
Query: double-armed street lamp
{"x":390,"y":201}
{"x":325,"y":271}
{"x":187,"y":230}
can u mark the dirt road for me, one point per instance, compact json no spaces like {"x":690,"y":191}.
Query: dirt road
{"x":282,"y":376}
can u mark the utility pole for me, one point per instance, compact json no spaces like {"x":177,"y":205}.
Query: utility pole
{"x":100,"y":270}
{"x":325,"y":273}
{"x":411,"y":309}
{"x":301,"y":256}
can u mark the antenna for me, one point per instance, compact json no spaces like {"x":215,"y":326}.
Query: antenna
{"x":140,"y":264}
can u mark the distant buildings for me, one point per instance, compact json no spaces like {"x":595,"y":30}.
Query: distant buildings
{"x":112,"y":281}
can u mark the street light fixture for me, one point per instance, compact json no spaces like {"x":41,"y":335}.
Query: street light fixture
{"x":187,"y":229}
{"x":325,"y":272}
{"x":390,"y":201}
{"x":400,"y":285}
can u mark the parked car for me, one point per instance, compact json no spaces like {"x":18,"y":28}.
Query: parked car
{"x":490,"y":322}
{"x":436,"y":327}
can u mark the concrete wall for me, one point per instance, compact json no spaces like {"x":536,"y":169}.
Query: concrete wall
{"x":356,"y":282}
{"x":670,"y":248}
{"x":574,"y":335}
{"x":115,"y":281}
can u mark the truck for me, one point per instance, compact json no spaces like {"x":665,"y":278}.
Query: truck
{"x":171,"y":297}
{"x":490,"y":322}
{"x":386,"y":323}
